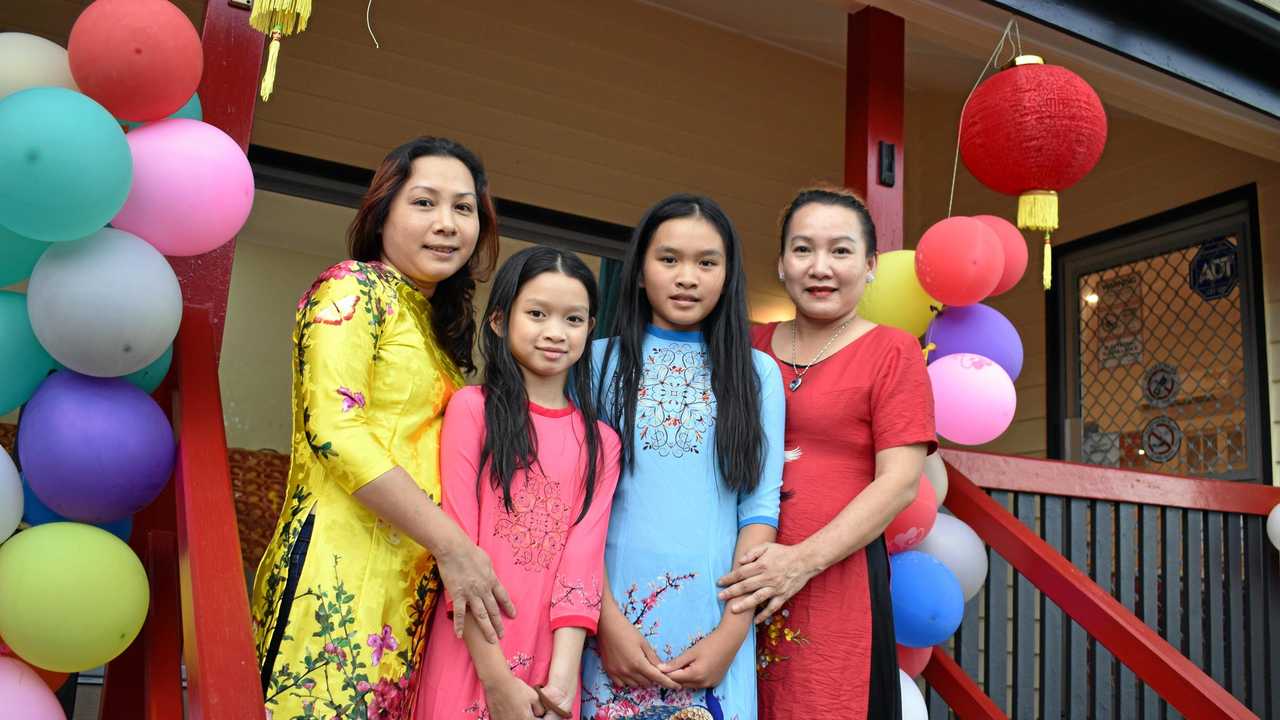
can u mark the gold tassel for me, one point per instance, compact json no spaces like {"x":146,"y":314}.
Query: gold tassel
{"x":1038,"y":211}
{"x":269,"y":77}
{"x":1048,"y":263}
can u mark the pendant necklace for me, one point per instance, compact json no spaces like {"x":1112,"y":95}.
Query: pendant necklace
{"x":795,"y":384}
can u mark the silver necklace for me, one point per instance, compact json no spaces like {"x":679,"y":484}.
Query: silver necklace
{"x":795,"y":384}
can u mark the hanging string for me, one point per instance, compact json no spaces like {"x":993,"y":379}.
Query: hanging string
{"x":1013,"y":37}
{"x":369,"y":25}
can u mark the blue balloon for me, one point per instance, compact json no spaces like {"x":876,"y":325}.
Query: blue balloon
{"x":928,"y":602}
{"x":17,"y":256}
{"x":191,"y":111}
{"x":35,"y":512}
{"x":65,"y":166}
{"x":150,"y":377}
{"x":24,"y":363}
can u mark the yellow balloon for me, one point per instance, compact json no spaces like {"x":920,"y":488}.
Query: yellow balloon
{"x":895,"y":297}
{"x":72,"y":596}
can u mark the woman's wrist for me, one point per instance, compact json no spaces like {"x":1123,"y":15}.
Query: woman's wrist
{"x":812,"y":558}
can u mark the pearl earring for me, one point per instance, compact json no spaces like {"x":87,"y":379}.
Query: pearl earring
{"x":871,"y":277}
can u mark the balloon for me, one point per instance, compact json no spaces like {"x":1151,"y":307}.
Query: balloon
{"x":192,"y":111}
{"x":149,"y":378}
{"x":912,"y":660}
{"x":53,"y":680}
{"x":927,"y":601}
{"x":959,"y":261}
{"x":956,"y":545}
{"x":980,"y":330}
{"x":94,"y":450}
{"x":17,"y":255}
{"x":936,"y":471}
{"x":895,"y":297}
{"x":107,"y":306}
{"x":35,"y":512}
{"x":1015,"y":251}
{"x":912,"y":524}
{"x":74,"y":596}
{"x":192,"y":187}
{"x":140,"y":58}
{"x":31,"y":61}
{"x":23,"y":362}
{"x":973,"y":398}
{"x":10,"y":496}
{"x":65,"y":167}
{"x":26,"y":694}
{"x":913,"y":705}
{"x":1273,"y":526}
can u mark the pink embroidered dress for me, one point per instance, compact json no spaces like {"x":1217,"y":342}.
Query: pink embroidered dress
{"x":552,"y":567}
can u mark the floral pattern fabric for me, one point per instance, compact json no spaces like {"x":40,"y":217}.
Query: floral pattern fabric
{"x":370,"y":384}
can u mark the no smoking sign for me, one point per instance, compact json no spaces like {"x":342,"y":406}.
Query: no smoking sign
{"x":1162,"y":439}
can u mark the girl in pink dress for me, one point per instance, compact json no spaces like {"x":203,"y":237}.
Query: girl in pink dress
{"x":529,"y":475}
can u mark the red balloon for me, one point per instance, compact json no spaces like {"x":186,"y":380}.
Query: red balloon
{"x":908,"y":529}
{"x":1015,"y":251}
{"x":959,"y":261}
{"x":912,"y":660}
{"x":140,"y":59}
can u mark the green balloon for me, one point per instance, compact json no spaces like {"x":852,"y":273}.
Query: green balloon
{"x":150,"y":377}
{"x":17,"y":256}
{"x":191,"y":111}
{"x":75,"y":596}
{"x":65,"y":166}
{"x":24,"y":364}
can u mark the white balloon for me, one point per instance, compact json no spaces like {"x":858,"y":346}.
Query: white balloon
{"x":936,"y":471}
{"x":1273,"y":526}
{"x":913,"y":707}
{"x":956,"y":545}
{"x":31,"y":61}
{"x":10,"y":496}
{"x":107,"y":305}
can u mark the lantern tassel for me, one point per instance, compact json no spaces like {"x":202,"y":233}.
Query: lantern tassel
{"x":269,"y":76}
{"x":1048,"y":263}
{"x":1038,"y":211}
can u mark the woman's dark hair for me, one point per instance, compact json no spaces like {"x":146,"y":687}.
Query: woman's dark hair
{"x":829,"y":195}
{"x":740,"y":441}
{"x":452,"y":318}
{"x":509,"y":441}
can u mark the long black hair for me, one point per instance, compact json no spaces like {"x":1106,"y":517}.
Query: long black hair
{"x":509,"y":440}
{"x":740,"y":441}
{"x":828,"y":195}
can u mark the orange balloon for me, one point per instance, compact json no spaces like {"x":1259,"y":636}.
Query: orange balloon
{"x":54,"y":680}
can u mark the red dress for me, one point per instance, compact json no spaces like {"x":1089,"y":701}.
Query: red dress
{"x":830,"y":652}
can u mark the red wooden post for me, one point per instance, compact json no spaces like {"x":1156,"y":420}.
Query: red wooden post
{"x":232,"y":59}
{"x":162,"y":635}
{"x":874,"y":107}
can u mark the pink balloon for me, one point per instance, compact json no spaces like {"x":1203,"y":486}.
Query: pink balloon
{"x":192,"y":187}
{"x":973,"y":398}
{"x":912,"y":661}
{"x":25,"y":694}
{"x":1015,"y":251}
{"x":908,"y":529}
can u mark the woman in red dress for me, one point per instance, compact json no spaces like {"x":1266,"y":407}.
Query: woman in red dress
{"x":859,"y":424}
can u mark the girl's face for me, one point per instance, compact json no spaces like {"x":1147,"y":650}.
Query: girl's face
{"x":549,"y":325}
{"x":824,"y":263}
{"x":684,"y":272}
{"x":434,"y":222}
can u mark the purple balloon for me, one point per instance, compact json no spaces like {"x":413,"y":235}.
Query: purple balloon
{"x":976,"y":330}
{"x":94,"y":449}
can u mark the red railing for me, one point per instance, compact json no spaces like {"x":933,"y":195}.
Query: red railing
{"x":1157,"y":663}
{"x":188,"y":540}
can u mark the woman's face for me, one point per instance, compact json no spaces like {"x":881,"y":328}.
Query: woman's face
{"x":434,"y":222}
{"x":684,"y":272}
{"x":824,"y":261}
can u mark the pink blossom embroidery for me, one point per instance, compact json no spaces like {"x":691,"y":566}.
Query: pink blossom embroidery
{"x":389,"y":699}
{"x":350,"y":398}
{"x":379,"y":643}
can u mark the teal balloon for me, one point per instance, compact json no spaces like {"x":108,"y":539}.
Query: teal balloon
{"x":17,"y":256}
{"x":150,"y":377}
{"x":65,"y":166}
{"x":23,"y":363}
{"x":191,"y":111}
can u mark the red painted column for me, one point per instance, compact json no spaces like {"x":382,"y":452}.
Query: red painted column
{"x":874,"y":107}
{"x":228,"y":90}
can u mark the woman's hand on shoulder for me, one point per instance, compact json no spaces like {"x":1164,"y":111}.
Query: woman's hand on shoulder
{"x":470,"y":580}
{"x":767,"y":576}
{"x":627,"y":657}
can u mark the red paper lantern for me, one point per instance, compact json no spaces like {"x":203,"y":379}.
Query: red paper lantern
{"x":140,"y":59}
{"x":959,"y":260}
{"x":1015,"y":251}
{"x":1033,"y":130}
